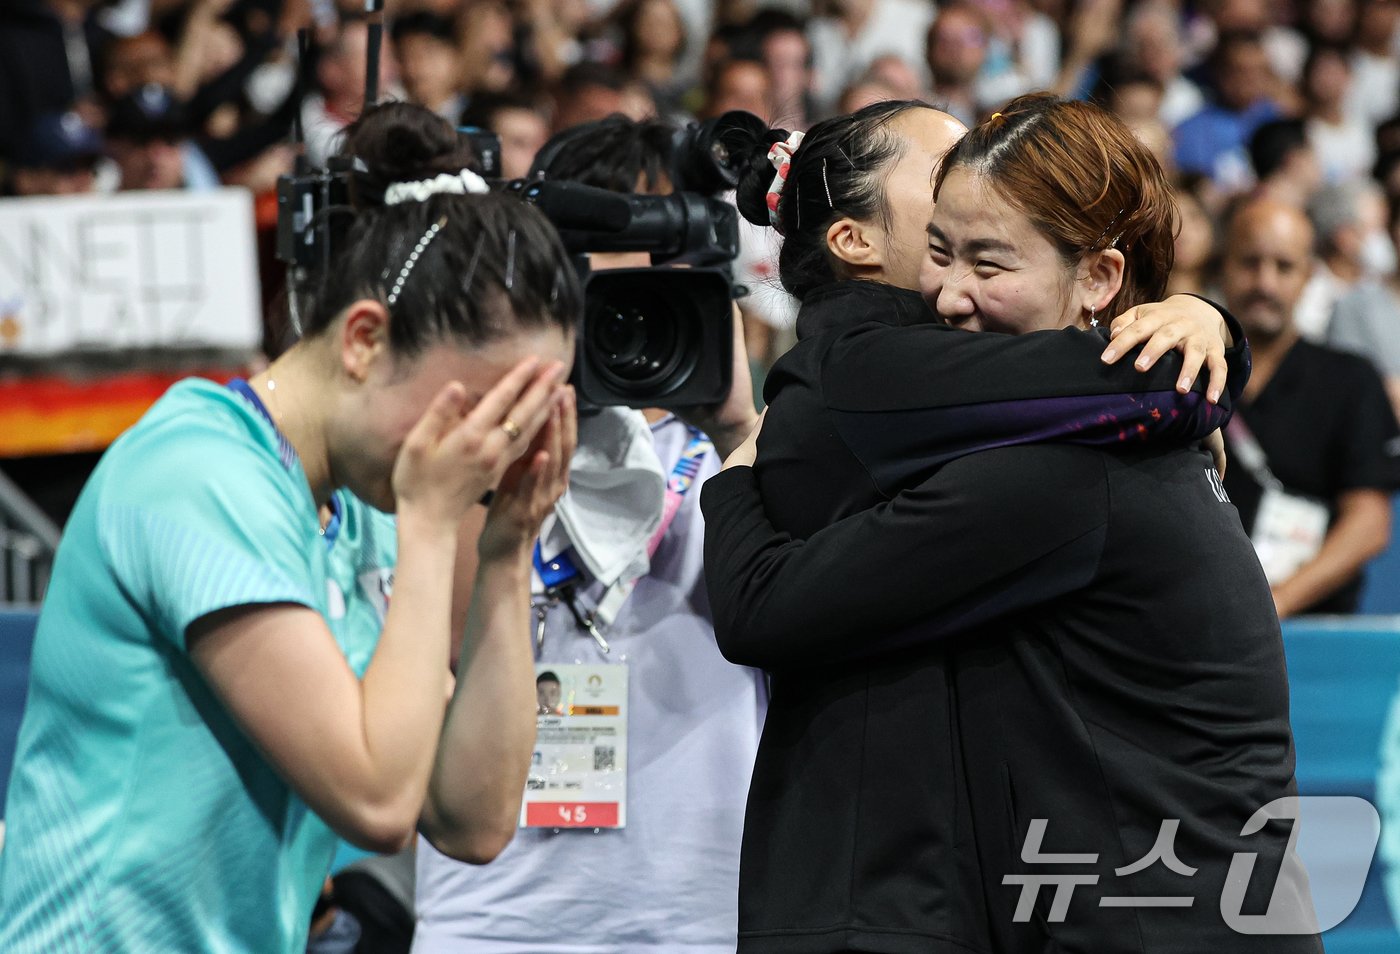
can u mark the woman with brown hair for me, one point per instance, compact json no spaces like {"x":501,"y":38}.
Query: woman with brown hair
{"x":1029,"y":665}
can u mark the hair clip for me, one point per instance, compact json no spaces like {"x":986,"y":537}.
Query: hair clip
{"x":413,"y":257}
{"x":510,"y":260}
{"x":1111,"y":222}
{"x":829,"y":203}
{"x":471,"y":269}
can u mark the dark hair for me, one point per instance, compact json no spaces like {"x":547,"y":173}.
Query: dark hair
{"x":588,"y":75}
{"x":1273,"y":142}
{"x":1226,"y":44}
{"x":611,"y":153}
{"x":837,"y":171}
{"x":423,"y":23}
{"x":546,"y":676}
{"x":483,"y":107}
{"x":470,"y":267}
{"x":1115,"y":73}
{"x":775,"y":20}
{"x":1083,"y":179}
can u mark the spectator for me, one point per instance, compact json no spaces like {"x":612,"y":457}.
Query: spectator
{"x":1284,"y":162}
{"x":1375,"y":67}
{"x":488,"y":48}
{"x":340,"y":82}
{"x":1328,"y":21}
{"x":1313,"y":442}
{"x":58,"y":157}
{"x":1349,"y":222}
{"x":862,"y":93}
{"x":128,"y":63}
{"x":653,"y":45}
{"x":1131,"y":94}
{"x":1285,"y":48}
{"x":1344,"y":145}
{"x":430,"y":67}
{"x":1212,"y":141}
{"x":956,"y":51}
{"x":906,"y":81}
{"x":587,"y":92}
{"x":517,"y":122}
{"x":46,"y":62}
{"x":1366,"y":321}
{"x":785,"y":50}
{"x":1023,"y":51}
{"x":1152,"y":42}
{"x":149,"y":138}
{"x":847,"y":42}
{"x":739,"y":83}
{"x":1194,"y":247}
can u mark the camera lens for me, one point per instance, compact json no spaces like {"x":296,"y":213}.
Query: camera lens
{"x":637,"y":347}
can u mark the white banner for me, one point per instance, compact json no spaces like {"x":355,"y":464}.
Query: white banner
{"x":132,"y":270}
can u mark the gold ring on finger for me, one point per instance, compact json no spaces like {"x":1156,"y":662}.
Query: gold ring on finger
{"x":511,"y":428}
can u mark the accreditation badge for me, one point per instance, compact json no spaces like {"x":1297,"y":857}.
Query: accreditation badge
{"x":1288,"y":532}
{"x":578,"y":775}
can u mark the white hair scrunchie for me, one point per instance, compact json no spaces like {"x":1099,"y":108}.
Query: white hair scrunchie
{"x":463,"y":183}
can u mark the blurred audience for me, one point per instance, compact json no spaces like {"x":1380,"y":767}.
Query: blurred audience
{"x":150,"y":139}
{"x":1349,"y":222}
{"x":1152,"y":42}
{"x":854,"y":33}
{"x":1243,"y":101}
{"x":1212,"y":141}
{"x":58,"y":156}
{"x":1344,"y":144}
{"x":430,"y":64}
{"x":1285,"y":165}
{"x":956,"y":52}
{"x":518,"y":121}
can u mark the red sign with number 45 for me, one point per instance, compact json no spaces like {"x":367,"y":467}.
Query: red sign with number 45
{"x":571,"y":814}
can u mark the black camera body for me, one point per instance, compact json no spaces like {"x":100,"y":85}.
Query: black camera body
{"x":658,"y":336}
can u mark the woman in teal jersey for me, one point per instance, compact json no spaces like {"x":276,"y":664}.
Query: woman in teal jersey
{"x":242,"y":656}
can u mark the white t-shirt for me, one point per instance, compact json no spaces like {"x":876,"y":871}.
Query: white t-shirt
{"x":669,"y":881}
{"x":1313,"y":313}
{"x":1345,"y":151}
{"x":1374,"y":96}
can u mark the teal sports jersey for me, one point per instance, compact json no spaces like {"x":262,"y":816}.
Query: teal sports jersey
{"x":140,"y":817}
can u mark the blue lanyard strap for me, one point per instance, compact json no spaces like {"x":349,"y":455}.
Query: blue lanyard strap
{"x":285,"y":452}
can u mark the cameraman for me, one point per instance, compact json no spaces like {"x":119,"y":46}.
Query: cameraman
{"x":668,"y":880}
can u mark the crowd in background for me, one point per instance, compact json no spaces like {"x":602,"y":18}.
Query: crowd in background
{"x":1299,"y":101}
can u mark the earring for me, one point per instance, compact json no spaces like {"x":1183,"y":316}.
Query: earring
{"x":1093,"y":321}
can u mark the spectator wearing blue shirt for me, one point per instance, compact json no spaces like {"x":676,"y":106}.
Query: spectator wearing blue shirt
{"x":1212,"y":142}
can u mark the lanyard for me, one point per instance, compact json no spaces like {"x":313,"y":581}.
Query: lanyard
{"x":561,"y":575}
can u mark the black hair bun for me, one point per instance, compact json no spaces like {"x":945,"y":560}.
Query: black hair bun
{"x":402,"y":142}
{"x":751,"y":193}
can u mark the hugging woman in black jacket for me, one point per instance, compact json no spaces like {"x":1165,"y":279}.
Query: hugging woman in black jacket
{"x":1041,"y":605}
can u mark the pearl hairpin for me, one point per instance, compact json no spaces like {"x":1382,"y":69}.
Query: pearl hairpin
{"x":413,"y":257}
